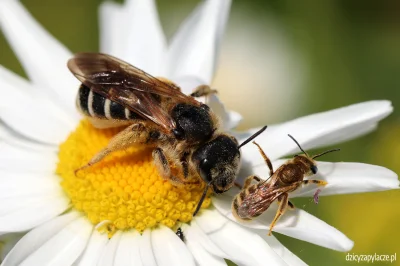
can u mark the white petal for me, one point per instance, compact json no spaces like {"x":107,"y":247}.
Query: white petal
{"x":146,"y":250}
{"x":111,"y":23}
{"x":120,"y":26}
{"x":22,"y":217}
{"x":109,"y":251}
{"x":317,"y":130}
{"x":32,"y":126}
{"x":232,"y":120}
{"x":12,"y":158}
{"x":93,"y":251}
{"x":306,"y":227}
{"x":169,"y":249}
{"x":7,"y":242}
{"x":128,"y":253}
{"x":201,"y":255}
{"x":229,"y":119}
{"x":194,"y":48}
{"x":34,"y":239}
{"x":64,"y":247}
{"x":18,"y":185}
{"x":29,"y":112}
{"x":9,"y":206}
{"x":146,"y":52}
{"x":295,"y":223}
{"x":244,"y":246}
{"x":13,"y":138}
{"x":195,"y":233}
{"x":188,"y":84}
{"x":282,"y":251}
{"x":343,"y":178}
{"x":203,"y":258}
{"x":42,"y":56}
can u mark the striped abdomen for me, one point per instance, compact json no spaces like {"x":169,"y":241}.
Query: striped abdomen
{"x":238,"y":204}
{"x":248,"y":204}
{"x":95,"y":105}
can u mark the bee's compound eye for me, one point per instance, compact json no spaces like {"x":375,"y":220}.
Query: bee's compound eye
{"x":205,"y":168}
{"x":178,"y":133}
{"x":314,"y":169}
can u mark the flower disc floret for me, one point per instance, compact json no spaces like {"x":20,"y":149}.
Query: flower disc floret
{"x":124,"y":190}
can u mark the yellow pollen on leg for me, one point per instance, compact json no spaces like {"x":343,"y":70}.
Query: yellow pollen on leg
{"x":124,"y":190}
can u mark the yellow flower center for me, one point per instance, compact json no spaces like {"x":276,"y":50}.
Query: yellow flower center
{"x":124,"y":189}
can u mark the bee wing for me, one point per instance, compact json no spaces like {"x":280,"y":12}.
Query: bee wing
{"x":127,"y":85}
{"x":259,"y":201}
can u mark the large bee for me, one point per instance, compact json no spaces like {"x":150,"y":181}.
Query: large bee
{"x":253,"y":200}
{"x":184,"y":132}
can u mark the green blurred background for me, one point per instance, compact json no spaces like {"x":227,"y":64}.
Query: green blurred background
{"x":291,"y":58}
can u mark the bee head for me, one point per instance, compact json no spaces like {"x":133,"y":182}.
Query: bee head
{"x":310,"y":166}
{"x":218,"y":162}
{"x":308,"y":161}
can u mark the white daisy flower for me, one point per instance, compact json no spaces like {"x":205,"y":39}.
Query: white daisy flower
{"x":67,"y":217}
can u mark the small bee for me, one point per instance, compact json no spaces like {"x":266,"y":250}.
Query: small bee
{"x":184,"y":132}
{"x":255,"y":199}
{"x":180,"y":234}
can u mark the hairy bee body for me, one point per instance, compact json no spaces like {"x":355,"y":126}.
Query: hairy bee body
{"x":169,"y":150}
{"x":254,"y":199}
{"x":188,"y":144}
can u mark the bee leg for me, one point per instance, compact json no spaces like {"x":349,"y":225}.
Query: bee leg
{"x":177,"y":181}
{"x":249,"y":179}
{"x":185,"y":168}
{"x":317,"y":182}
{"x":283,"y":203}
{"x":161,"y":163}
{"x":133,"y":134}
{"x":169,"y":82}
{"x":239,"y":186}
{"x":247,"y":182}
{"x":290,"y":205}
{"x":185,"y":165}
{"x":266,"y":159}
{"x":202,"y":90}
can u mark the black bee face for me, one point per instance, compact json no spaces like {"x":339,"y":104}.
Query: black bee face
{"x":218,"y":161}
{"x":223,"y":182}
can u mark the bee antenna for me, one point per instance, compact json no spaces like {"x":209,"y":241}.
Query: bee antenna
{"x":253,"y":136}
{"x":202,"y":198}
{"x":290,"y":136}
{"x":325,"y":152}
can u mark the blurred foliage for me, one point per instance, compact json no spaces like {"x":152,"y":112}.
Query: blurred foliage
{"x":352,"y":50}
